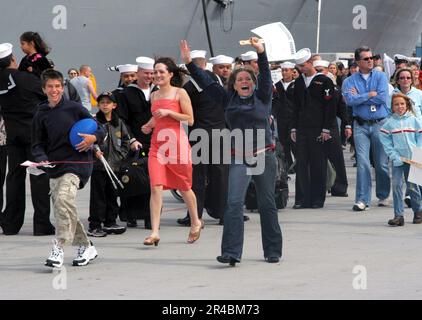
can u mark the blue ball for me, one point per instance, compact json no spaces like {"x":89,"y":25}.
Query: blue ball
{"x":87,"y":126}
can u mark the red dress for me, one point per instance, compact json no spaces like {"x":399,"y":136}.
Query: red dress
{"x":169,"y":158}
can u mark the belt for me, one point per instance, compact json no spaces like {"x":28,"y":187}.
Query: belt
{"x":370,"y":122}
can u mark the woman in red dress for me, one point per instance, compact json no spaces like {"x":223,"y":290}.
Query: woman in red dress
{"x":169,"y":158}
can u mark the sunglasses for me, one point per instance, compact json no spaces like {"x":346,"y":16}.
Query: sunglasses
{"x":405,"y":78}
{"x":367,"y":58}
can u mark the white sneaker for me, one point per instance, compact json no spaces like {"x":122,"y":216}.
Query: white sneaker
{"x":85,"y":255}
{"x":384,"y":203}
{"x":55,"y":260}
{"x":360,"y":206}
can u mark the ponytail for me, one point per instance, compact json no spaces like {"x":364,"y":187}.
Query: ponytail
{"x":178,"y":72}
{"x":39,"y":43}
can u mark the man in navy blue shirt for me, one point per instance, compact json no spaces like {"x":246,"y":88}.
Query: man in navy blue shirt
{"x":366,"y":92}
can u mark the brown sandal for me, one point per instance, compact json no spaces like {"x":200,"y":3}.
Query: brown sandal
{"x":149,"y":241}
{"x":194,"y":236}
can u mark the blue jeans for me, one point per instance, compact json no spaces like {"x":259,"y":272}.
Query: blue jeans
{"x":414,"y":190}
{"x":233,"y":232}
{"x":367,"y":139}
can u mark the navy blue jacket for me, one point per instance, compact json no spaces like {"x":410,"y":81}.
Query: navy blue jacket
{"x":50,"y":139}
{"x":251,"y":113}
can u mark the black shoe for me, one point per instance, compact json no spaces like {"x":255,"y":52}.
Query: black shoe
{"x":407,"y":202}
{"x":245,"y":218}
{"x":299,"y":206}
{"x":97,"y":232}
{"x":226,"y":259}
{"x":114,"y":229}
{"x":396,"y":222}
{"x":417,"y":219}
{"x":317,"y":206}
{"x":184,"y":221}
{"x":42,"y":232}
{"x":339,"y":194}
{"x":272,"y":259}
{"x":131,"y":224}
{"x":10,"y":233}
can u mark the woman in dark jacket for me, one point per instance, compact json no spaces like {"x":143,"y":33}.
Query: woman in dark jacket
{"x":247,"y":113}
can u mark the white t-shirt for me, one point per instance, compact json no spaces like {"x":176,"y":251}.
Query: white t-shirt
{"x":365,"y":76}
{"x":286,"y":84}
{"x":308,"y":79}
{"x":81,"y":85}
{"x":147,"y":93}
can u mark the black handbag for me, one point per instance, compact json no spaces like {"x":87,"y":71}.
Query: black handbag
{"x":133,"y":174}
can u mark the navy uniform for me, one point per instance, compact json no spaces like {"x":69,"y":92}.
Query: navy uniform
{"x":283,"y":110}
{"x":118,"y":93}
{"x":20,"y":94}
{"x":314,"y":113}
{"x":134,"y":108}
{"x":334,"y":150}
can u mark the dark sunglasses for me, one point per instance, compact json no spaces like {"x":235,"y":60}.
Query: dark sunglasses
{"x":368,"y":58}
{"x":405,"y":78}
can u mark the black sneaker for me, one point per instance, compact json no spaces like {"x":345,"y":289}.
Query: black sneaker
{"x":396,"y":222}
{"x":114,"y":228}
{"x":272,"y":259}
{"x":98,"y":232}
{"x":132,"y":224}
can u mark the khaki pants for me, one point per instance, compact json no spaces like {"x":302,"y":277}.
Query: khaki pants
{"x":69,"y":229}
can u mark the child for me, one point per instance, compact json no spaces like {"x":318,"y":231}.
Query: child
{"x":400,"y":134}
{"x":50,"y":142}
{"x":103,"y":207}
{"x":36,"y":52}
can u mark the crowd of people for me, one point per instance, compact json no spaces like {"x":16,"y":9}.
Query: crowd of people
{"x":315,"y":108}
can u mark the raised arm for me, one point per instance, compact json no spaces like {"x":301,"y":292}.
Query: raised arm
{"x":201,"y":77}
{"x":265,"y":83}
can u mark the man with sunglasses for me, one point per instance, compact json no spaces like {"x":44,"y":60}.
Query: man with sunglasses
{"x":366,"y":92}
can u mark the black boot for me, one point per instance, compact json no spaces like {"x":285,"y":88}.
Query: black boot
{"x":226,"y":259}
{"x":417,"y":219}
{"x":184,"y":221}
{"x":397,"y":221}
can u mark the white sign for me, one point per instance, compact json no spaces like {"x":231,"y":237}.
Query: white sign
{"x":415,"y":173}
{"x":279,"y":43}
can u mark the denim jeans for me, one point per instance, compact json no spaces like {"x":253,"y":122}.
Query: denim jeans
{"x":233,"y":232}
{"x":367,"y":139}
{"x":414,"y":190}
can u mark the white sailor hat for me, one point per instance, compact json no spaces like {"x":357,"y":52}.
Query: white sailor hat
{"x":127,"y":68}
{"x":302,"y":55}
{"x":198,"y":54}
{"x":5,"y":50}
{"x":400,"y":57}
{"x":287,"y":65}
{"x":145,"y":63}
{"x":321,"y":63}
{"x":221,"y":59}
{"x":248,"y":56}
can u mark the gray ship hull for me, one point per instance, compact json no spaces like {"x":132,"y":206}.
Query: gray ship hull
{"x":106,"y":33}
